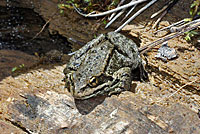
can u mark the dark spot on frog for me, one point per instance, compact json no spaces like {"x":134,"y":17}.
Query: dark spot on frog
{"x":76,"y":64}
{"x":94,"y":51}
{"x":98,"y":57}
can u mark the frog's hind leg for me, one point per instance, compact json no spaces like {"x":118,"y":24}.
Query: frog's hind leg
{"x":143,"y":73}
{"x":122,"y":80}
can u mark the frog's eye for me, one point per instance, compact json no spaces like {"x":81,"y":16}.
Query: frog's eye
{"x":93,"y":82}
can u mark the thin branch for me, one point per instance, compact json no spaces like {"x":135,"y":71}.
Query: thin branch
{"x":159,"y":19}
{"x":41,"y":29}
{"x":175,"y":24}
{"x":113,"y":14}
{"x":44,"y":26}
{"x":180,"y":31}
{"x":160,"y":11}
{"x":109,"y":11}
{"x":165,"y":10}
{"x":116,"y":16}
{"x":187,"y":25}
{"x":131,"y":10}
{"x":166,"y":7}
{"x":189,"y":83}
{"x":135,"y":15}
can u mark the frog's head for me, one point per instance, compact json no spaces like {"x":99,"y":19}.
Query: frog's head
{"x":84,"y":88}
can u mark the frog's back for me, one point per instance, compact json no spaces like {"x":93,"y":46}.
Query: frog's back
{"x":94,"y":63}
{"x":125,"y":45}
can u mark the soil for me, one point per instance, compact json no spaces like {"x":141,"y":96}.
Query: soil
{"x":169,"y":97}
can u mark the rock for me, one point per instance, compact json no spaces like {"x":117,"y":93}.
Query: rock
{"x":52,"y":112}
{"x":11,"y":58}
{"x":43,"y":106}
{"x":8,"y":128}
{"x":166,"y":53}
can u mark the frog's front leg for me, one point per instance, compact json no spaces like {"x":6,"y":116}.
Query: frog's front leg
{"x":143,"y":73}
{"x":122,"y":81}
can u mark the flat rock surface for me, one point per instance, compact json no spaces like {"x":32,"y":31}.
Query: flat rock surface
{"x":11,"y":58}
{"x":8,"y":128}
{"x":37,"y":103}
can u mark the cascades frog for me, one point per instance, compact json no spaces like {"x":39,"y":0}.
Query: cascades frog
{"x":104,"y":65}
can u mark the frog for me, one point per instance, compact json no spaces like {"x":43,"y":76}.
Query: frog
{"x":104,"y":66}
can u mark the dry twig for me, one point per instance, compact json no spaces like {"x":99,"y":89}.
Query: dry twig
{"x":113,"y":14}
{"x":159,"y":19}
{"x":109,"y":11}
{"x":129,"y":13}
{"x":179,"y":31}
{"x":41,"y":29}
{"x":116,"y":16}
{"x":135,"y":15}
{"x":165,"y":10}
{"x":175,"y":24}
{"x":44,"y":26}
{"x":189,"y":83}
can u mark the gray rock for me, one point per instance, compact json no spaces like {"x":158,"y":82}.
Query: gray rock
{"x":166,"y":53}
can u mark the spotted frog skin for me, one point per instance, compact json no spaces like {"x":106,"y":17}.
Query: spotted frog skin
{"x":104,"y":65}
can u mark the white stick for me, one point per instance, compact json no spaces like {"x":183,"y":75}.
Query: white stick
{"x":135,"y":15}
{"x":168,"y":27}
{"x":109,"y":11}
{"x":177,"y":90}
{"x":116,"y":16}
{"x":113,"y":14}
{"x":129,"y":12}
{"x":160,"y":11}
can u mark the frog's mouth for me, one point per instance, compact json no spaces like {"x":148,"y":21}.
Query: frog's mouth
{"x":101,"y":89}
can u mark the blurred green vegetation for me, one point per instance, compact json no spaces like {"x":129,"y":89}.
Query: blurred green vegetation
{"x":194,"y":12}
{"x":88,"y":6}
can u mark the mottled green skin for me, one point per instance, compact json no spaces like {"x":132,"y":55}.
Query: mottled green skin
{"x":103,"y":66}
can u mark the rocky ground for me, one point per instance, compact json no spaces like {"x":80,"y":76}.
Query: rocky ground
{"x":33,"y":99}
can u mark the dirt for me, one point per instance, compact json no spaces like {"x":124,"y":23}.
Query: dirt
{"x":34,"y":99}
